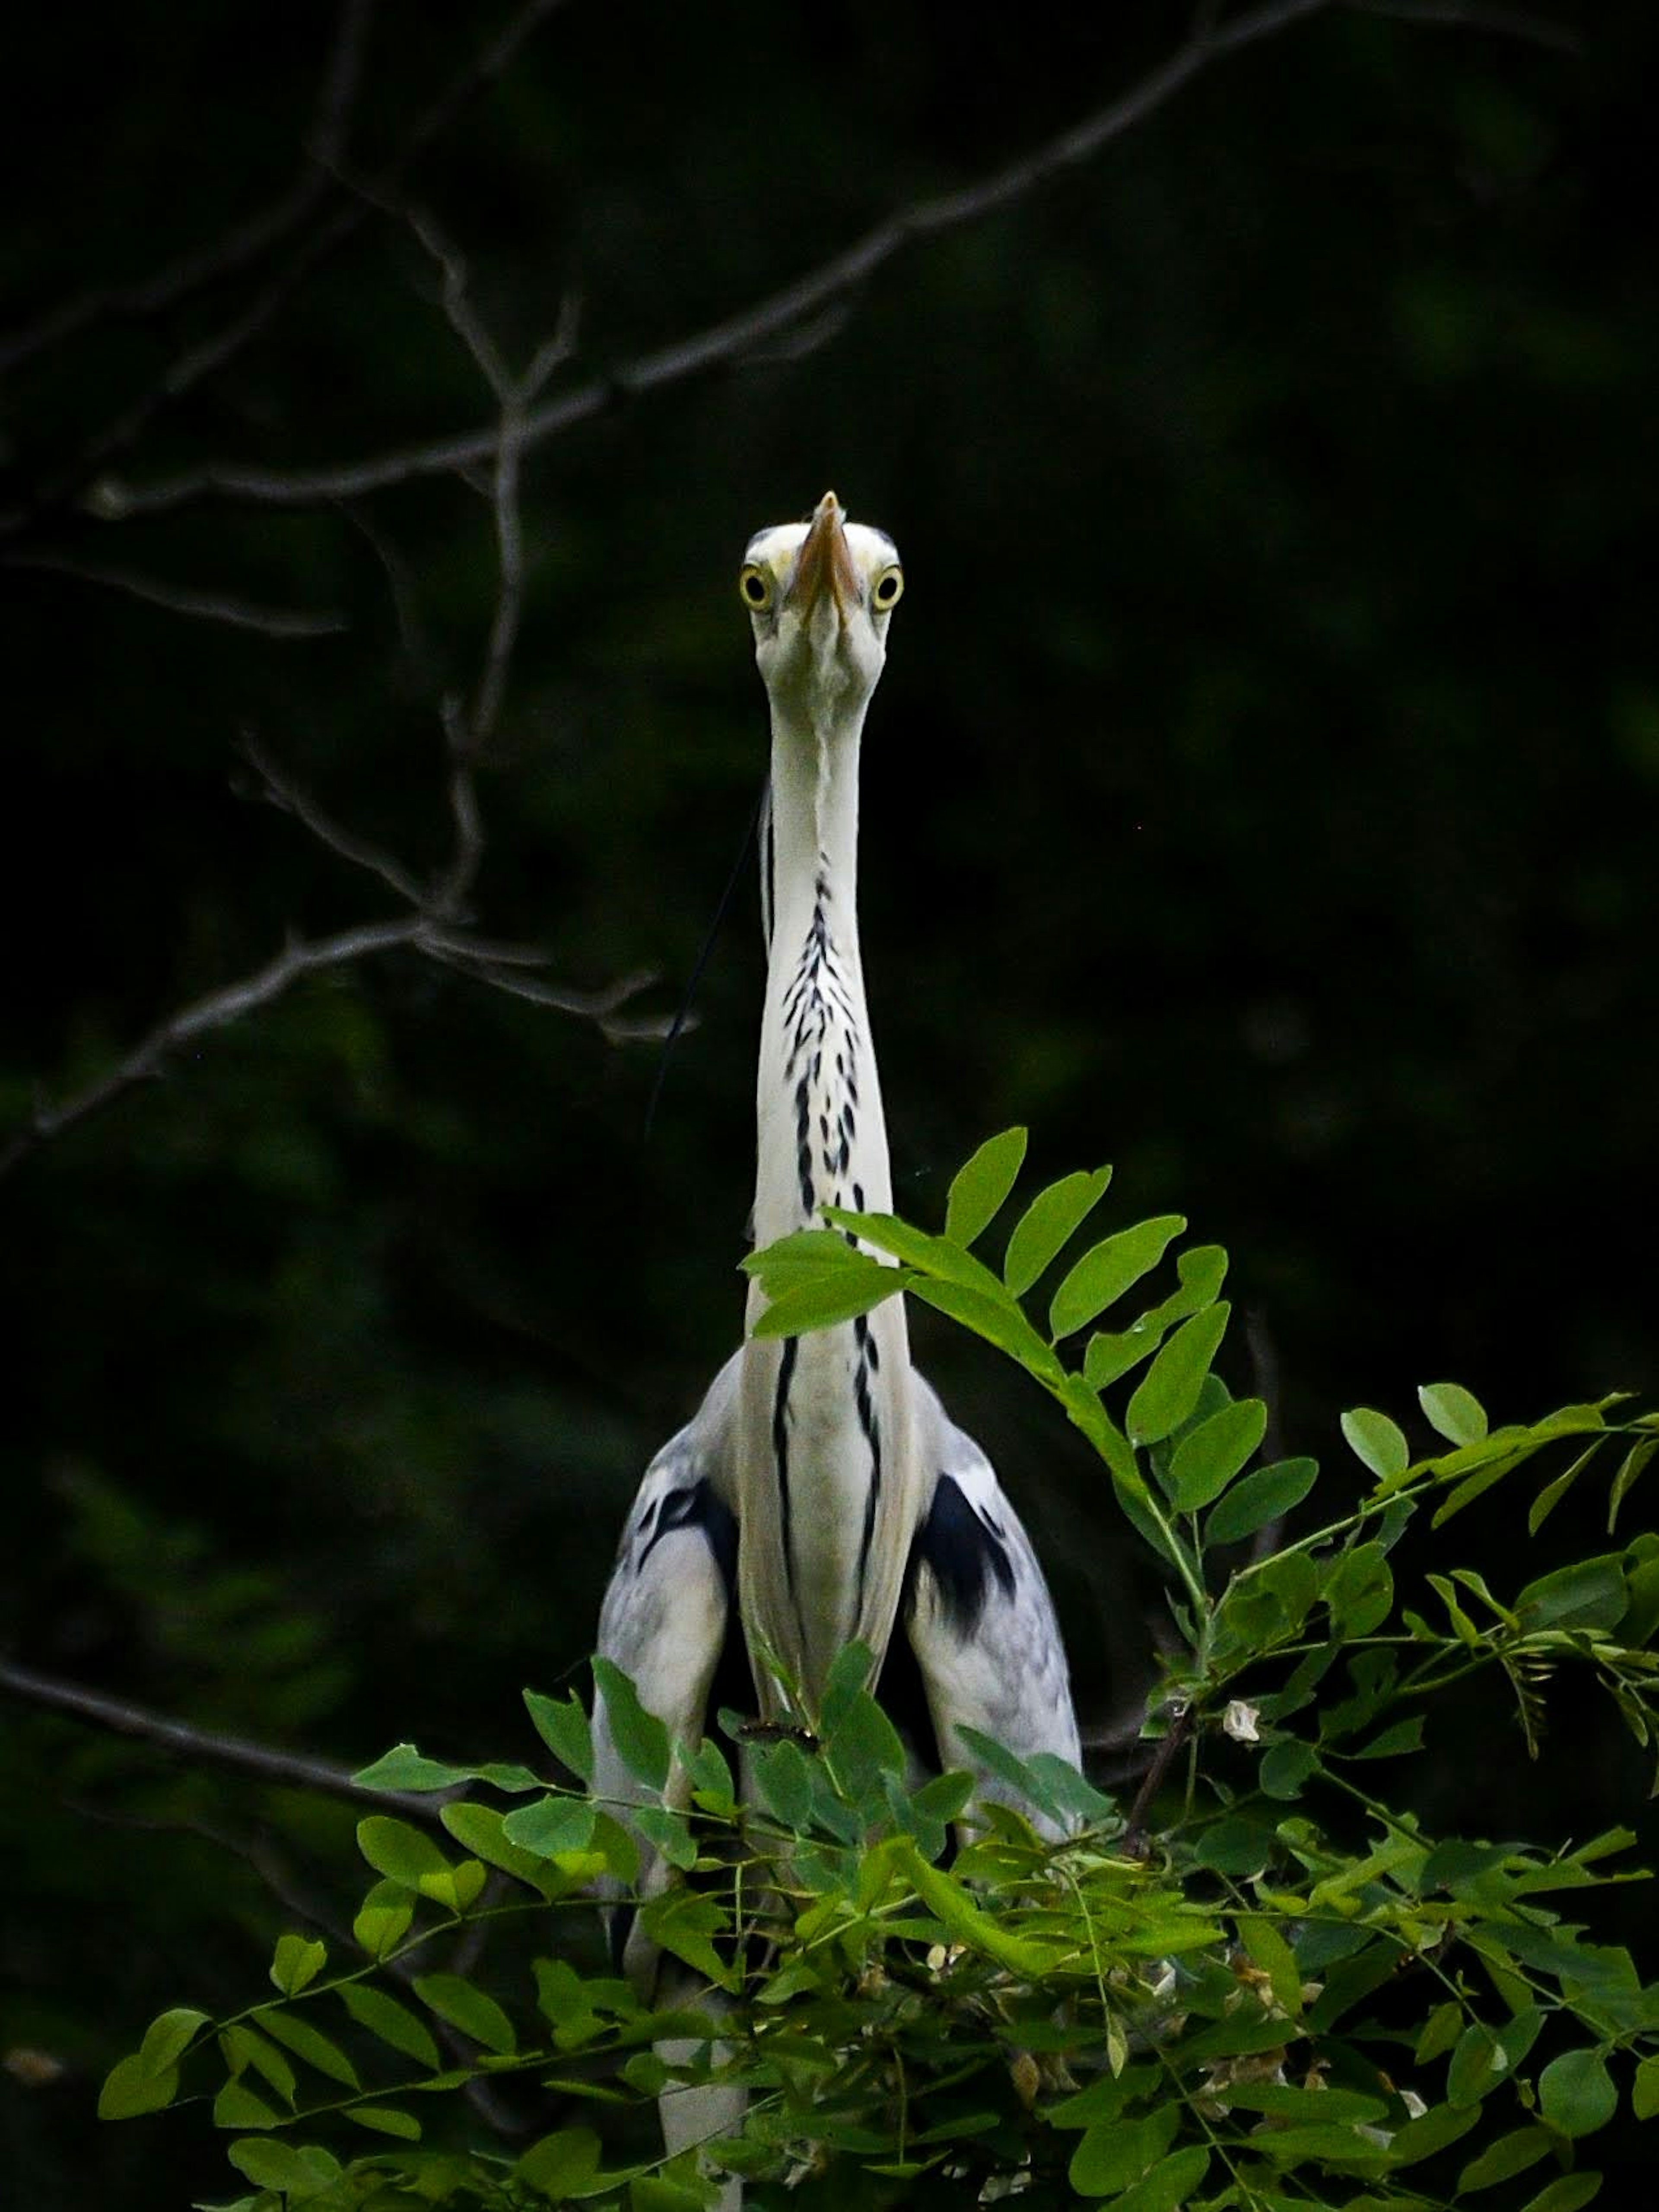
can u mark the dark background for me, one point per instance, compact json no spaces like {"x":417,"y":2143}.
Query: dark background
{"x":1260,"y":796}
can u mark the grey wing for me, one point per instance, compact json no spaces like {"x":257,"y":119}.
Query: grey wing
{"x":665,"y":1615}
{"x":980,"y":1618}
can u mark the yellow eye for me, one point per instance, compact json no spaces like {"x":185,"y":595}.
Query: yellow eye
{"x":887,"y":589}
{"x":754,"y":588}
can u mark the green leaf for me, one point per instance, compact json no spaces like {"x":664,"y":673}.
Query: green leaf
{"x":169,"y":2035}
{"x":468,"y":2008}
{"x":1479,"y":2063}
{"x":386,"y":2120}
{"x":1359,"y":1591}
{"x":272,"y":2165}
{"x":237,"y":2106}
{"x":1555,"y":1490}
{"x":685,"y":1921}
{"x":820,"y":1301}
{"x":641,"y":1739}
{"x":1404,"y":1735}
{"x":1569,"y":2194}
{"x":654,"y":2192}
{"x":1589,"y":1594}
{"x":979,"y":1188}
{"x":1113,"y":2154}
{"x":1048,"y":1223}
{"x":1453,"y":1411}
{"x":1501,"y":2160}
{"x":383,"y":1918}
{"x":1644,"y":2091}
{"x":309,"y":2043}
{"x":403,"y":1767}
{"x":1169,"y":1389}
{"x":401,"y":1853}
{"x":480,"y":1829}
{"x":394,"y":2024}
{"x":562,"y":2164}
{"x":1168,"y":2184}
{"x":1634,"y":1461}
{"x":1576,"y":2093}
{"x":551,"y":1826}
{"x":296,"y":1962}
{"x":1263,"y":1495}
{"x":1107,"y":1269}
{"x":131,"y":2087}
{"x":244,"y":2046}
{"x":563,"y":1727}
{"x":1286,"y":1767}
{"x":783,"y":1781}
{"x":1376,"y":1442}
{"x":667,"y":1831}
{"x":998,"y":1320}
{"x":1439,"y":2128}
{"x":1201,"y":1271}
{"x":1208,"y":1457}
{"x":1274,"y":1955}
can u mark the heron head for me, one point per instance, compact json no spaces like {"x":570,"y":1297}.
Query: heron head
{"x":820,"y":595}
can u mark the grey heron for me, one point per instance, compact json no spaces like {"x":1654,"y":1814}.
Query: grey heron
{"x":820,"y":1493}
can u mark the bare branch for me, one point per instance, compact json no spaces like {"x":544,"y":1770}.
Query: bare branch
{"x":181,"y":599}
{"x":770,"y":321}
{"x":211,"y":352}
{"x":210,"y":1747}
{"x":278,"y":791}
{"x":147,"y":1058}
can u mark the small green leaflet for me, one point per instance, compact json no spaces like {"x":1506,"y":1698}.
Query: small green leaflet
{"x":1048,"y":1223}
{"x":563,"y":1727}
{"x":1376,"y":1442}
{"x":1263,"y":1495}
{"x":1107,"y":1270}
{"x":296,"y":1962}
{"x":394,"y":2024}
{"x":1208,"y":1457}
{"x":309,"y":2043}
{"x":403,"y":1767}
{"x":148,"y":2079}
{"x":979,"y":1188}
{"x":641,"y":1739}
{"x":561,"y":2164}
{"x":398,"y":1851}
{"x":1169,"y":1389}
{"x":821,"y":1301}
{"x":468,"y":2008}
{"x":1453,"y":1411}
{"x":1576,"y":2094}
{"x":386,"y":2120}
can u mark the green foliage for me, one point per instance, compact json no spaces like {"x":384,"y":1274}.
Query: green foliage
{"x":1262,"y":1986}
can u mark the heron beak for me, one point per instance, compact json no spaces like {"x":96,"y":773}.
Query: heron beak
{"x":825,"y":563}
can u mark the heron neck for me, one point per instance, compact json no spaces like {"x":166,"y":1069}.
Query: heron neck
{"x":822,"y":1139}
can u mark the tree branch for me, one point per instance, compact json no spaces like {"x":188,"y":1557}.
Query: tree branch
{"x":770,"y":321}
{"x":210,"y":1747}
{"x":210,"y":352}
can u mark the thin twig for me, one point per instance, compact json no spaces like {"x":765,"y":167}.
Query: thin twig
{"x":1134,"y":1839}
{"x":213,"y":351}
{"x":278,"y":790}
{"x":737,"y":337}
{"x":181,"y":599}
{"x":147,"y":1058}
{"x":209,"y":1746}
